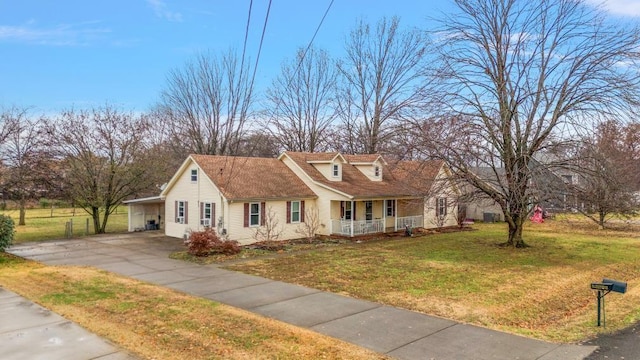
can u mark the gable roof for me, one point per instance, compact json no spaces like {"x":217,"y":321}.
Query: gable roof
{"x":417,"y":175}
{"x":395,"y":182}
{"x":248,"y":178}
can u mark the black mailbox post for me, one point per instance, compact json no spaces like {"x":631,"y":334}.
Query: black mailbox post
{"x":603,"y":288}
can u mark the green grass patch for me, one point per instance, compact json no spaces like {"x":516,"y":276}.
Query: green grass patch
{"x":48,"y":224}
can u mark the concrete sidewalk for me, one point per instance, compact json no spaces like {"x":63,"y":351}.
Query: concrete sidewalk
{"x":31,"y":332}
{"x":395,"y":332}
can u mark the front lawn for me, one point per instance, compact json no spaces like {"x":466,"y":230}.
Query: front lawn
{"x":542,"y":291}
{"x":157,"y":323}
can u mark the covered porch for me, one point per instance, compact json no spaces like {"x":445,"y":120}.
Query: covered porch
{"x":361,"y":217}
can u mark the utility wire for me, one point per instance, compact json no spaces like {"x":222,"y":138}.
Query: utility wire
{"x":313,"y":38}
{"x":264,"y":29}
{"x":246,"y":36}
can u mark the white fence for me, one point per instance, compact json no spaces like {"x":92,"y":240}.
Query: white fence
{"x":413,"y":221}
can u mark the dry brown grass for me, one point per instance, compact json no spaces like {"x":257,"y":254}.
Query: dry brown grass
{"x":157,"y":323}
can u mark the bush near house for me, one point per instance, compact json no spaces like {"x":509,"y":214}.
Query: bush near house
{"x":204,"y":243}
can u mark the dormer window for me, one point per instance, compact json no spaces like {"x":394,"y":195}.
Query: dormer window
{"x":336,"y":170}
{"x":194,"y":175}
{"x":376,"y":171}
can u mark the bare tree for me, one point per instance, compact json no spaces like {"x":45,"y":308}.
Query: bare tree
{"x":301,"y":102}
{"x":311,"y":224}
{"x":206,"y":104}
{"x":382,"y":77}
{"x":103,"y":153}
{"x":271,"y":229}
{"x":607,"y":175}
{"x":521,"y":73}
{"x":28,"y":164}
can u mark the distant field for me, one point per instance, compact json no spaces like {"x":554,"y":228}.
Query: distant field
{"x":48,"y":224}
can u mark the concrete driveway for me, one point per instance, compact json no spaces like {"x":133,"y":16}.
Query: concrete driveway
{"x":396,"y":332}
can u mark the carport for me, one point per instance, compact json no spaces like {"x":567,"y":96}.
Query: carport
{"x":146,"y":213}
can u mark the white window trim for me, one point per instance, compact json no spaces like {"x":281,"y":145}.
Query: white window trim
{"x":390,"y":205}
{"x":335,"y":170}
{"x":251,"y":213}
{"x":194,"y":172}
{"x":299,"y":212}
{"x":206,"y":219}
{"x":442,"y":207}
{"x":181,"y":205}
{"x":377,"y":171}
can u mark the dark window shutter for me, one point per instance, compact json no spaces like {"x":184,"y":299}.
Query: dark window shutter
{"x":262,"y":214}
{"x":213,"y":215}
{"x":288,"y":212}
{"x":341,"y":209}
{"x":302,"y":211}
{"x":186,"y":212}
{"x":246,"y":214}
{"x":201,"y":210}
{"x":175,"y":211}
{"x":353,"y":211}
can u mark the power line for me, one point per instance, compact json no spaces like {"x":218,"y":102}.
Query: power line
{"x":246,"y":35}
{"x":264,"y":29}
{"x":313,"y":38}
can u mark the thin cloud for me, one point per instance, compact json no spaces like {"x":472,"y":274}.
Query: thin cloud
{"x":82,"y":34}
{"x":161,"y":11}
{"x":619,"y":7}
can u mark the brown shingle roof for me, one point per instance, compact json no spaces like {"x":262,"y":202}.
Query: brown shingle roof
{"x":241,"y":178}
{"x":417,"y":175}
{"x":398,"y":180}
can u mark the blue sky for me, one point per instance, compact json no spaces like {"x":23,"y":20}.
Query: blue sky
{"x":82,"y":53}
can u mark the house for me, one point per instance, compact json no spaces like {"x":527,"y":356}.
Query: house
{"x":334,"y":194}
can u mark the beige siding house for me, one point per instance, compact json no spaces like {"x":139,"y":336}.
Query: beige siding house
{"x":236,"y":196}
{"x":347,"y":195}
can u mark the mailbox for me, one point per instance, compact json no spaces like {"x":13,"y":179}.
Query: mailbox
{"x":616,"y":286}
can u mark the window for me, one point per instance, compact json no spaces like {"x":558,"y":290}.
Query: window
{"x":254,"y":214}
{"x":181,"y":212}
{"x":336,"y":170}
{"x":376,"y":171}
{"x":345,"y":209}
{"x":295,"y":211}
{"x":206,"y":214}
{"x":391,"y":208}
{"x":368,"y":210}
{"x":194,"y":175}
{"x":441,"y":207}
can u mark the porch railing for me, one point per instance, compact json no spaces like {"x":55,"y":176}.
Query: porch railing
{"x":360,"y":227}
{"x":413,"y":221}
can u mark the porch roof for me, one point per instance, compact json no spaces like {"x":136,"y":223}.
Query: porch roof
{"x":146,"y":200}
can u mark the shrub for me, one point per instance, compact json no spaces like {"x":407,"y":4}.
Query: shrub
{"x":203,"y":243}
{"x":6,"y":232}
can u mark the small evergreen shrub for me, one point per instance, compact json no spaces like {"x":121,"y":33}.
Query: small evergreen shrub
{"x":203,"y":243}
{"x":6,"y":232}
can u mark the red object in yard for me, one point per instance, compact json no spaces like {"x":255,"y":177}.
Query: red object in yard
{"x":537,"y":215}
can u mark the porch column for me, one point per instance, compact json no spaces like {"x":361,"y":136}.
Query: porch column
{"x":353,"y":214}
{"x":384,"y":216}
{"x":395,"y":211}
{"x":129,"y":208}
